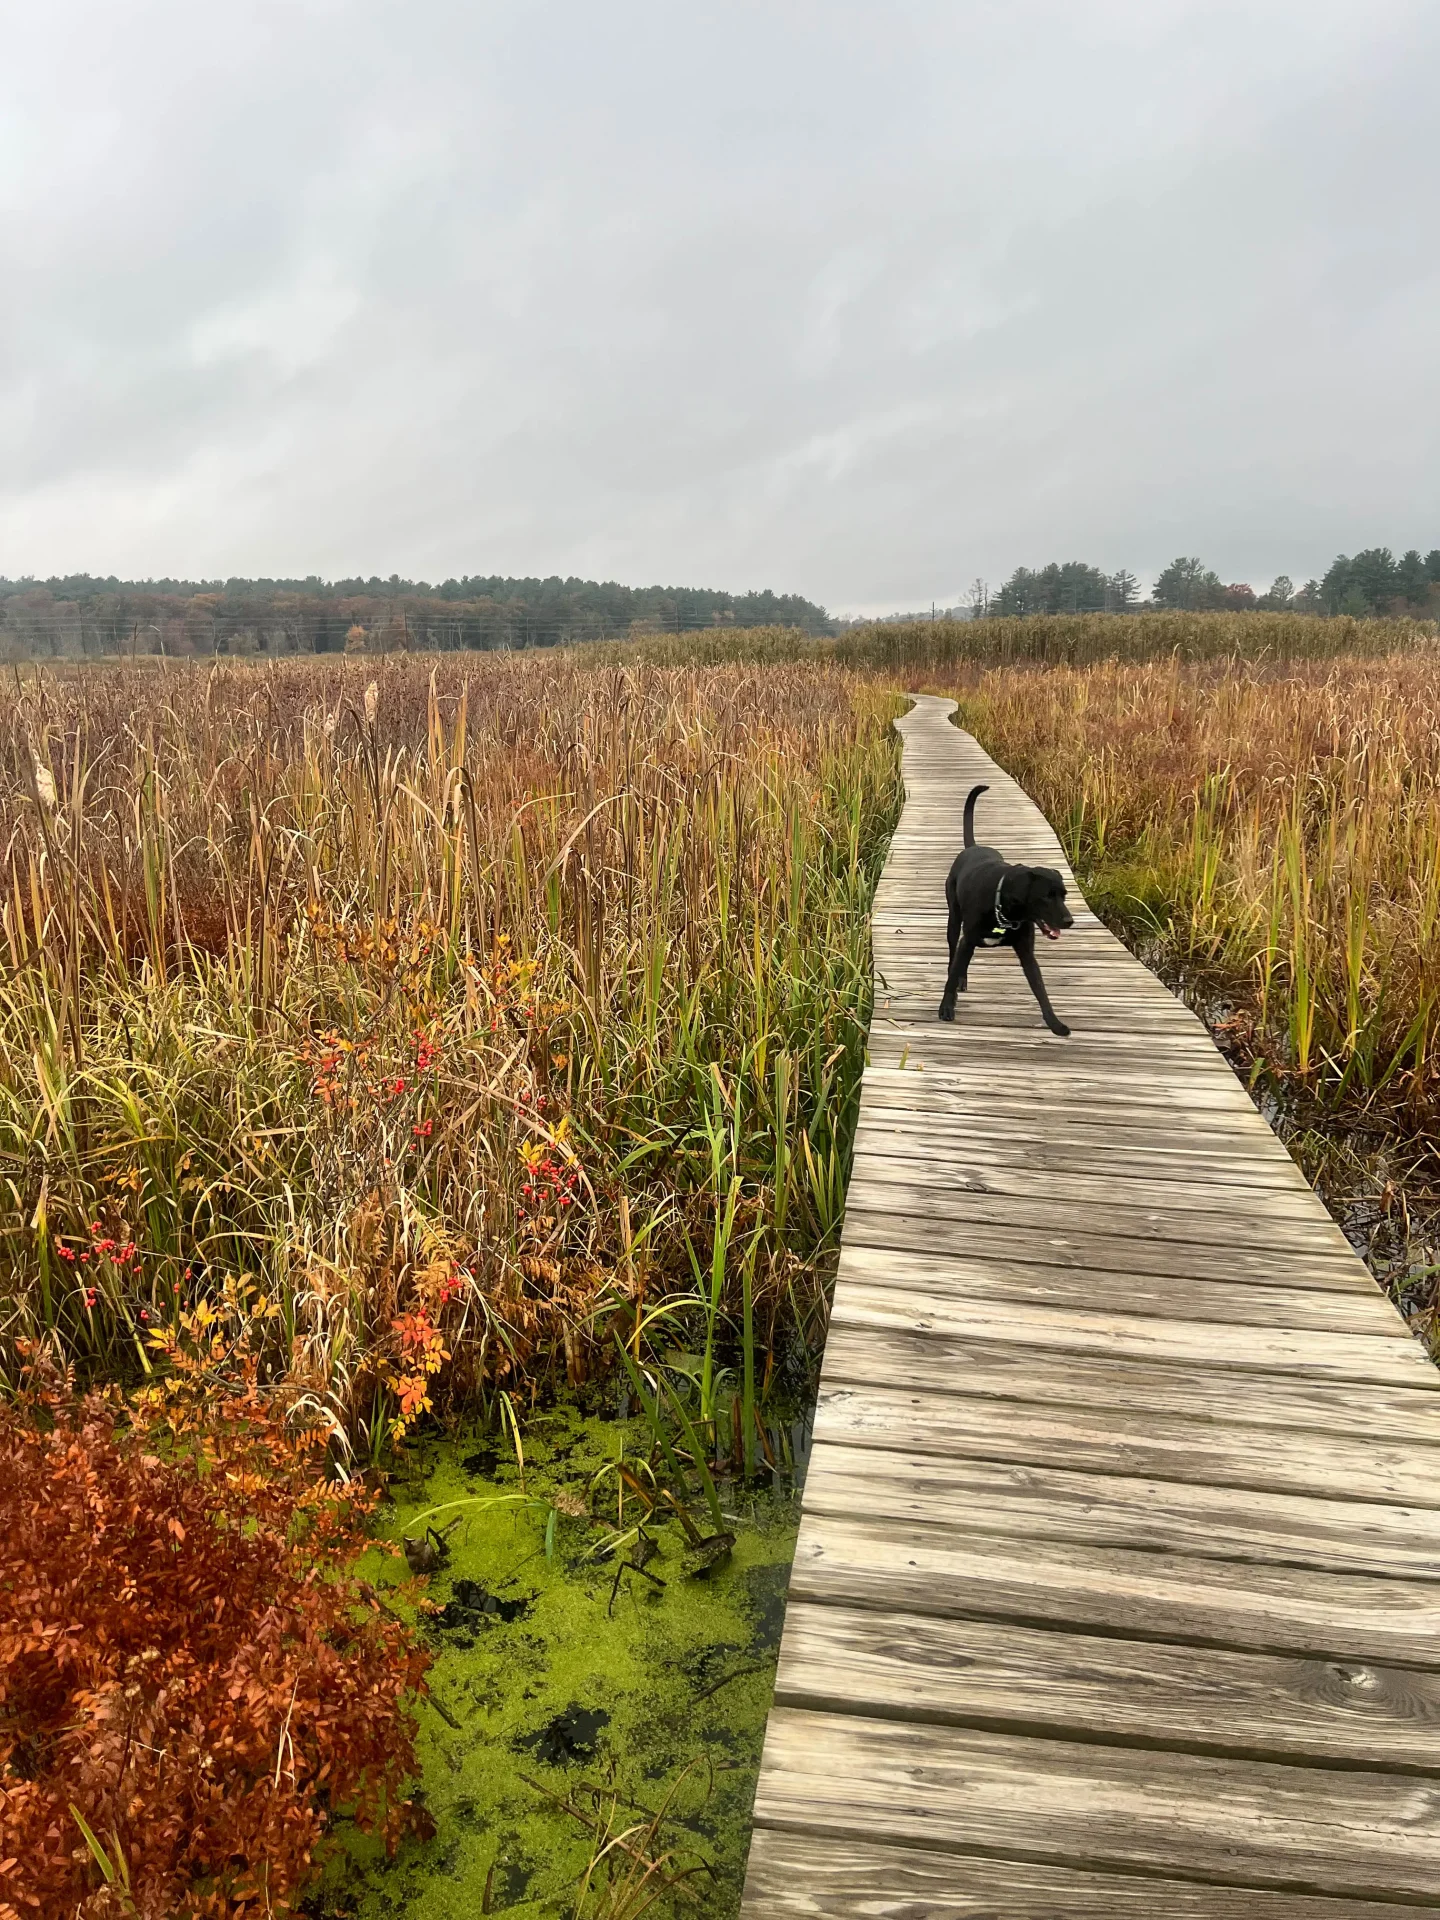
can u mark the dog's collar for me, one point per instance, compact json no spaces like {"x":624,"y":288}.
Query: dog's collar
{"x":1002,"y":920}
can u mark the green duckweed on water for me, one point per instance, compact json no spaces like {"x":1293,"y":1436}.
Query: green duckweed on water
{"x":563,"y":1687}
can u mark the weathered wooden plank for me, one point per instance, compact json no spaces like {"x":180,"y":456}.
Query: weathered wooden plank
{"x":954,"y":1176}
{"x":915,"y":979}
{"x":1022,"y":1211}
{"x":917,"y":973}
{"x":1196,"y":1343}
{"x":913,"y":997}
{"x":1062,"y":1081}
{"x":1056,"y":1380}
{"x":891,"y":1564}
{"x":797,"y":1876}
{"x":890,"y":1135}
{"x":918,"y":983}
{"x":902,"y":1150}
{"x":1083,"y":1246}
{"x":1018,"y":1501}
{"x":863,"y":1352}
{"x":1092,"y":1128}
{"x":1235,"y":1302}
{"x":1181,"y":1054}
{"x":1149,"y":1033}
{"x":1139,"y":1147}
{"x":1131,"y":1100}
{"x":1058,"y":1685}
{"x":1102,"y":961}
{"x":1296,"y":1829}
{"x":1114,"y":1440}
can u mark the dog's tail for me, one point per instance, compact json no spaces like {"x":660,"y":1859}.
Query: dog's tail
{"x":970,"y":799}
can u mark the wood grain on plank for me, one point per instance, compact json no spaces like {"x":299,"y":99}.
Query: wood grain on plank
{"x":1094,"y":1129}
{"x":1063,"y":1244}
{"x":914,"y":1003}
{"x":1027,"y":1143}
{"x":1180,"y":1055}
{"x":802,"y":1876}
{"x":1135,"y":1336}
{"x":889,"y":1563}
{"x":1059,"y":1080}
{"x":1108,"y":1101}
{"x":1077,"y":1686}
{"x":1296,"y":1829}
{"x":951,"y":1173}
{"x":1116,"y":1440}
{"x":1281,"y":1230}
{"x":900,"y":1138}
{"x":1155,"y":1516}
{"x":1059,"y":1381}
{"x":1239,"y":1302}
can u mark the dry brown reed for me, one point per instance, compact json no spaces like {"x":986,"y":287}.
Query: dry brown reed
{"x":426,"y":1022}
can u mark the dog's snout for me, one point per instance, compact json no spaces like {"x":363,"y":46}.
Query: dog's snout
{"x":1067,"y":919}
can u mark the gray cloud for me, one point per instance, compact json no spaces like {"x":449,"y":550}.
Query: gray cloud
{"x":851,"y":300}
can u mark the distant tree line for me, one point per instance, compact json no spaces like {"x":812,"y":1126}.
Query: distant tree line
{"x":1371,"y":583}
{"x":80,"y":616}
{"x":1069,"y":588}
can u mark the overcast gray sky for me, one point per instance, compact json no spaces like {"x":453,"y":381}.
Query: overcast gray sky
{"x":858,"y":301}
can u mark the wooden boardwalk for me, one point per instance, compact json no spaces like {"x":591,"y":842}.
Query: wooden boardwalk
{"x":1118,"y":1584}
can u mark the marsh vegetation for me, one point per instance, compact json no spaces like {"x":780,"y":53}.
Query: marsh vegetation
{"x":430,"y":1042}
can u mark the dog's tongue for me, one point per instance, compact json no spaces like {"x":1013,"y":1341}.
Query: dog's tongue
{"x":1049,"y":932}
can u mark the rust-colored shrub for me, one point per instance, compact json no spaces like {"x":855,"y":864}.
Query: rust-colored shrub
{"x":184,"y":1663}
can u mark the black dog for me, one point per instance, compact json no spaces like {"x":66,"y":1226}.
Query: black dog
{"x":993,"y":904}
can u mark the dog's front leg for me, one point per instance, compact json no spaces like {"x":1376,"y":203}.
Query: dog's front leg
{"x":955,"y":981}
{"x":1025,"y":948}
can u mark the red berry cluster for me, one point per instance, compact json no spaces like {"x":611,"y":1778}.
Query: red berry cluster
{"x":453,"y":1285}
{"x":124,"y":1253}
{"x":552,"y":1182}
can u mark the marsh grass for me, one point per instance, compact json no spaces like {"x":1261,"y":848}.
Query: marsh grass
{"x":424,"y":1025}
{"x":635,"y":1862}
{"x":904,"y":651}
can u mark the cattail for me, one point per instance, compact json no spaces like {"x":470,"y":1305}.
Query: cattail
{"x":45,"y":783}
{"x":372,"y":702}
{"x":332,"y":720}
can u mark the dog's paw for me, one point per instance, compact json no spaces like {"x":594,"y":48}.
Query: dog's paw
{"x":947,"y":1010}
{"x":1059,"y":1028}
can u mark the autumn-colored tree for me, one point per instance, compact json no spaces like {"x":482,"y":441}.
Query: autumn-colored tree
{"x":191,"y":1686}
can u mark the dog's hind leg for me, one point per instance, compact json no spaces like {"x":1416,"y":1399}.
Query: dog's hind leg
{"x":1025,"y":950}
